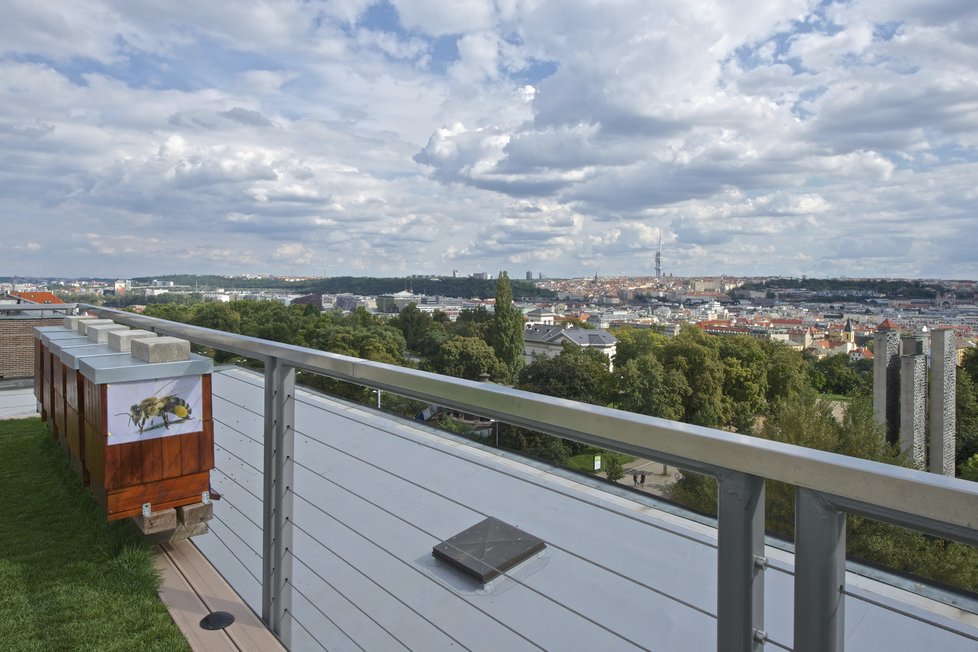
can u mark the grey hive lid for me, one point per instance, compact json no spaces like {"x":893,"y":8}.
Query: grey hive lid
{"x":488,"y":549}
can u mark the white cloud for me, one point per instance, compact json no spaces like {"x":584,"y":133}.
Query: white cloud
{"x":761,"y":138}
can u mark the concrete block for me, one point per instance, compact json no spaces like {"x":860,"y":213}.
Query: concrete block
{"x":122,"y":340}
{"x":161,"y":349}
{"x":83,"y":325}
{"x":72,"y":321}
{"x":161,"y":521}
{"x":180,"y":533}
{"x":98,"y":333}
{"x":193,"y":514}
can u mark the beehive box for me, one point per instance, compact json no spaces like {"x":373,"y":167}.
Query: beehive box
{"x":58,"y":390}
{"x":40,"y":351}
{"x":47,"y":373}
{"x":148,"y":431}
{"x":71,"y":354}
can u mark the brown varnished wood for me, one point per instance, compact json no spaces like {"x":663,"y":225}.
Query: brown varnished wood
{"x":72,"y":433}
{"x":124,"y":465}
{"x":207,"y":399}
{"x":170,"y":464}
{"x":189,"y":453}
{"x":152,"y":454}
{"x":172,"y":492}
{"x":207,"y":446}
{"x":94,"y":456}
{"x":38,"y":369}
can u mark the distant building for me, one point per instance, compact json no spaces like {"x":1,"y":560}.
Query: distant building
{"x":395,"y":303}
{"x":548,"y":341}
{"x":540,"y":317}
{"x":37,"y":297}
{"x":310,"y":299}
{"x":861,"y":353}
{"x":351,"y":302}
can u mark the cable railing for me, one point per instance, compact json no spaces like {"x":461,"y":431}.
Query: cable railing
{"x":828,"y":486}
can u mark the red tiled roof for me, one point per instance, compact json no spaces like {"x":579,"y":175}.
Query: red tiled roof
{"x":887,"y":325}
{"x":38,"y":297}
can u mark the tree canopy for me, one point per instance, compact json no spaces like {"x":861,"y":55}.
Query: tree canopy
{"x":506,"y":331}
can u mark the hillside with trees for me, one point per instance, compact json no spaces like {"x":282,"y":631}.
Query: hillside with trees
{"x":446,"y":286}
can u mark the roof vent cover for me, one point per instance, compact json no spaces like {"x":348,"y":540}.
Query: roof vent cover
{"x":488,"y":549}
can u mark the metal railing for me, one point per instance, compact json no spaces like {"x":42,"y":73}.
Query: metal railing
{"x":33,"y":309}
{"x":828,"y":486}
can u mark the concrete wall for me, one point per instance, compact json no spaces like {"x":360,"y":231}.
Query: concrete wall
{"x":886,"y":382}
{"x":913,"y":417}
{"x":943,"y":370}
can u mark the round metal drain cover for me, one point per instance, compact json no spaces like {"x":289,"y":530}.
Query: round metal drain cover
{"x":217,"y":620}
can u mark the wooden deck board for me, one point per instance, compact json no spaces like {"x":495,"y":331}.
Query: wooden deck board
{"x":201,"y":590}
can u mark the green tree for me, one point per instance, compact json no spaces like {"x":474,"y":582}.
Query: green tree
{"x":694,"y":354}
{"x":473,"y":323}
{"x":635,"y":342}
{"x":507,"y":328}
{"x":380,"y":344}
{"x":786,"y":373}
{"x":614,"y":469}
{"x":170,"y":311}
{"x":969,"y":364}
{"x":468,"y":357}
{"x":966,"y":417}
{"x":414,"y":324}
{"x":646,"y":387}
{"x":217,"y":315}
{"x":837,"y":375}
{"x":577,"y":374}
{"x":969,"y":469}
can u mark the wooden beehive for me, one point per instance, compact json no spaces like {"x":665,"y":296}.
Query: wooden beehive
{"x":164,"y":471}
{"x":49,"y":375}
{"x":70,"y":354}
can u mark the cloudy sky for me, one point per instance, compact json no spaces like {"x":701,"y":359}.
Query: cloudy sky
{"x":424,"y":136}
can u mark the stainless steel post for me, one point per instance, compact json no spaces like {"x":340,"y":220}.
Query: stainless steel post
{"x":820,"y":568}
{"x":277,"y":509}
{"x":740,"y":569}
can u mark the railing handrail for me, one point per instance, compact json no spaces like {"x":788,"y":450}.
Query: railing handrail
{"x":37,"y":307}
{"x":933,"y":503}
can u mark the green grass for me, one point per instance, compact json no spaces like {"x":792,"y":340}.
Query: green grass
{"x":836,"y":397}
{"x":585,"y":461}
{"x":69,"y":580}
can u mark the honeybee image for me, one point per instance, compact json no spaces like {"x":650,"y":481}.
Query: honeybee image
{"x":156,"y":408}
{"x":164,"y":407}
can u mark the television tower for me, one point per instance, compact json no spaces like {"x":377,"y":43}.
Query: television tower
{"x":658,"y":258}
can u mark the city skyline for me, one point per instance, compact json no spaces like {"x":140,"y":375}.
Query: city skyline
{"x":415,"y":137}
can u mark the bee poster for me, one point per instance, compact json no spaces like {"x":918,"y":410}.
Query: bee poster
{"x":148,"y":409}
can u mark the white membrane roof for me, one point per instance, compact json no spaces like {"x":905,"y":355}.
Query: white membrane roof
{"x":374,"y":494}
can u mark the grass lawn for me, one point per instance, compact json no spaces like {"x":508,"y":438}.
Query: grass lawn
{"x":585,"y":461}
{"x":835,"y":397}
{"x":69,"y":580}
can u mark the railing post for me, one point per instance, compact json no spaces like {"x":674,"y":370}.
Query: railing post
{"x":740,"y":567}
{"x":277,"y":508}
{"x":820,"y":569}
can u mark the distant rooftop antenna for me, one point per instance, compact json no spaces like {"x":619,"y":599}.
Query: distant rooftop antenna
{"x":658,"y":257}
